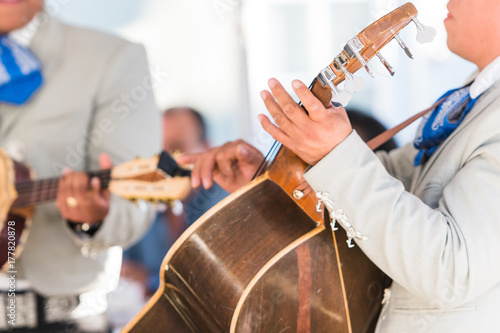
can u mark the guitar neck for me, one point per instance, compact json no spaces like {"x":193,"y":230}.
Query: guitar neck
{"x":35,"y":192}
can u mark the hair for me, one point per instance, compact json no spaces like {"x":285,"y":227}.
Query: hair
{"x":198,"y":118}
{"x":370,"y":127}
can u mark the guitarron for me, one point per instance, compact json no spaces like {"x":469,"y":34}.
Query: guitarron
{"x":262,"y":260}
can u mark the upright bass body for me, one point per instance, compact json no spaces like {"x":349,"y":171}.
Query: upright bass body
{"x":262,"y":261}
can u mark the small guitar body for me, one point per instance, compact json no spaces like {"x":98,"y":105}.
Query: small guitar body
{"x":147,"y":179}
{"x":13,"y":224}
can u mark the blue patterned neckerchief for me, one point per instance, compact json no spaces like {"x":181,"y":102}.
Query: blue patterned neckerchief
{"x":20,"y":72}
{"x":437,"y":125}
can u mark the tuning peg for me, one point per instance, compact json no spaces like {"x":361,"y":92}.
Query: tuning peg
{"x":339,"y":96}
{"x":403,"y":46}
{"x":352,"y":83}
{"x":386,"y":64}
{"x":341,"y":99}
{"x":369,"y":70}
{"x":424,"y":34}
{"x":356,"y":46}
{"x":154,"y":200}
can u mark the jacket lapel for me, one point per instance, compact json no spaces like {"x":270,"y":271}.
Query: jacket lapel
{"x":48,"y":43}
{"x":488,"y":97}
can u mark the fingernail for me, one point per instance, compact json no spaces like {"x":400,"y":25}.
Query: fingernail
{"x":243,"y":151}
{"x":66,"y":171}
{"x":272,"y":83}
{"x":95,"y":181}
{"x":296,"y":84}
{"x":263,"y":94}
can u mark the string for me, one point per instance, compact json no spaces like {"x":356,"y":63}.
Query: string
{"x":36,"y":191}
{"x":271,"y":154}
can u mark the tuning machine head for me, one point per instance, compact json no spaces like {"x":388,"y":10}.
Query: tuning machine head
{"x":390,"y":69}
{"x":353,"y":83}
{"x":339,"y":96}
{"x":424,"y":34}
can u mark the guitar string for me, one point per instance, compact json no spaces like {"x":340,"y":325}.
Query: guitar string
{"x":46,"y":189}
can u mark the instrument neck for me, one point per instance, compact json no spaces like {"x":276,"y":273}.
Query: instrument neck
{"x":35,"y":192}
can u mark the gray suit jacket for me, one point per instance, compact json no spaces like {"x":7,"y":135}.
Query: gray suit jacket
{"x":435,"y":230}
{"x":97,"y":97}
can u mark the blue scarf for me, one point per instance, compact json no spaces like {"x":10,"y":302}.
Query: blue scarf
{"x":20,"y":72}
{"x":437,"y":125}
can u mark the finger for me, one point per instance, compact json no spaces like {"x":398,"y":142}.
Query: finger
{"x":279,"y":116}
{"x":276,"y":112}
{"x":293,"y":112}
{"x":273,"y":130}
{"x":281,"y":95}
{"x":95,"y":185}
{"x":226,"y":157}
{"x":62,"y":192}
{"x":105,"y":161}
{"x":207,"y":166}
{"x":77,"y":185}
{"x":195,"y":172}
{"x":187,"y":158}
{"x":96,"y":193}
{"x":249,"y":161}
{"x":311,"y":103}
{"x":248,"y":154}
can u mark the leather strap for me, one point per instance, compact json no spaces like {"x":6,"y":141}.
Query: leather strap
{"x":389,"y":134}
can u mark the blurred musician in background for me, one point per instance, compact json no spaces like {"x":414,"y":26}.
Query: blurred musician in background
{"x":184,"y":131}
{"x":77,"y":99}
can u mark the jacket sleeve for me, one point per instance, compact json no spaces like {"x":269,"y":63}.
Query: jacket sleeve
{"x":445,"y":250}
{"x":399,"y":163}
{"x":125,"y":125}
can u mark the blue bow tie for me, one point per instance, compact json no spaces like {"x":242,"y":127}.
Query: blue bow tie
{"x":20,"y":72}
{"x":437,"y":125}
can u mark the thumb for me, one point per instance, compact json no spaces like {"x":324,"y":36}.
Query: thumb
{"x":186,"y":158}
{"x":105,"y":161}
{"x":249,"y":156}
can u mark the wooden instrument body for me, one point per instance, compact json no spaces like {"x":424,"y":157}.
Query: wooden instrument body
{"x":262,"y":261}
{"x":145,"y":179}
{"x":13,"y":234}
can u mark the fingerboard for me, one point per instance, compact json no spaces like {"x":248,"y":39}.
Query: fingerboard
{"x":40,"y":191}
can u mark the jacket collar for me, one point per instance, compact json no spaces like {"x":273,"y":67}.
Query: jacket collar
{"x":48,"y":42}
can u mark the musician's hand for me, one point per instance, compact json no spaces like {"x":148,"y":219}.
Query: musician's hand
{"x":231,"y":165}
{"x":82,"y":201}
{"x":311,"y":136}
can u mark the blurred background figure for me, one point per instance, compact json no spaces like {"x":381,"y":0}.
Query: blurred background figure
{"x":184,"y":131}
{"x":62,"y":112}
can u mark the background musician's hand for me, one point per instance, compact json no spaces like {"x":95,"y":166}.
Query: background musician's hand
{"x":81,"y":200}
{"x":311,"y":136}
{"x":231,"y":165}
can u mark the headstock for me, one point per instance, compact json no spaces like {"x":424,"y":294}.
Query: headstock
{"x":155,"y":179}
{"x":361,"y":49}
